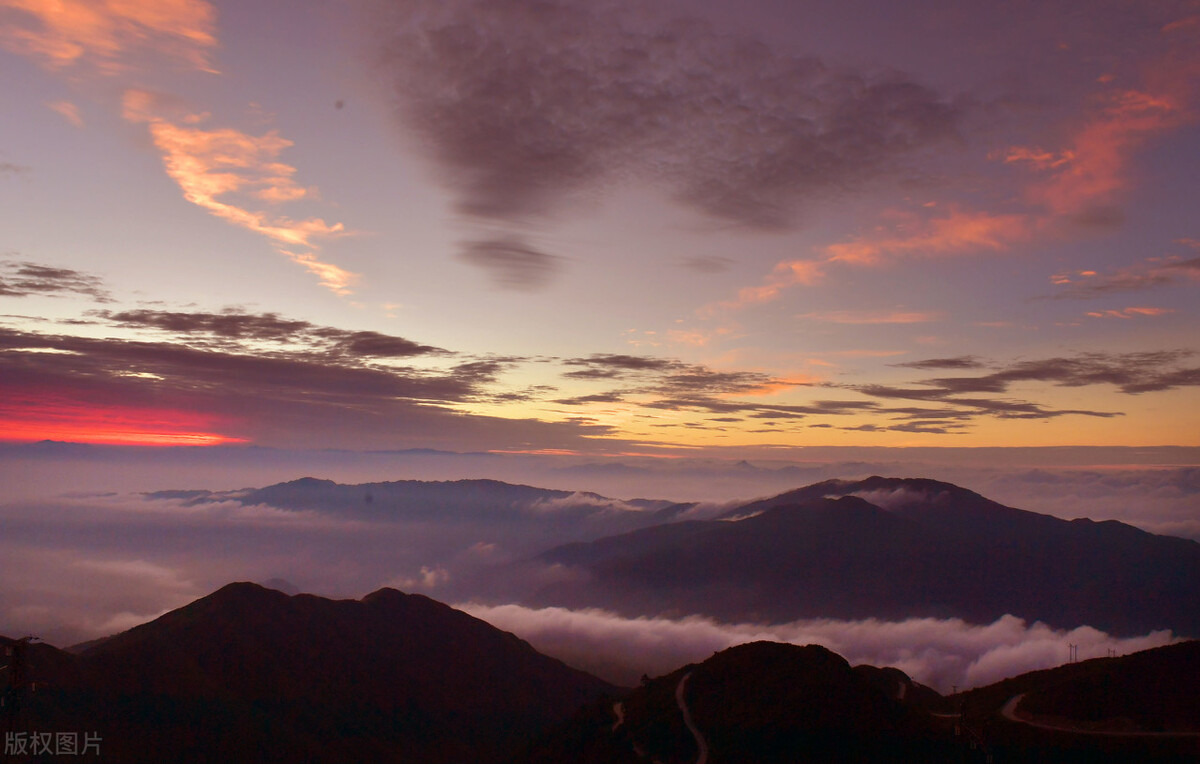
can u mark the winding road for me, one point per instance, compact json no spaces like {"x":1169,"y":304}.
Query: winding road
{"x":701,"y":743}
{"x":1009,"y":711}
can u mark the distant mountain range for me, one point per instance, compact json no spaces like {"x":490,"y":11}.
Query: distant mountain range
{"x":889,"y":548}
{"x":886,"y":548}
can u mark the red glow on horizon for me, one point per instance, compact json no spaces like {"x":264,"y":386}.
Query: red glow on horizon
{"x":109,"y":425}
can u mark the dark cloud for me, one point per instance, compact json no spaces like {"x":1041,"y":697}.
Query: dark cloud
{"x":707,"y":263}
{"x":328,"y":401}
{"x":512,"y":263}
{"x":231,"y":324}
{"x":1134,"y":279}
{"x":239,"y":326}
{"x":376,"y":345}
{"x":1191,"y":267}
{"x":613,"y":397}
{"x":622,"y":363}
{"x":23,"y":279}
{"x":614,"y":366}
{"x":959,"y":362}
{"x":1131,"y":373}
{"x":529,"y":107}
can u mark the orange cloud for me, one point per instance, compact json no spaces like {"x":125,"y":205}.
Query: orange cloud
{"x":211,"y":166}
{"x":1130,"y":312}
{"x":63,"y":33}
{"x":68,"y":111}
{"x":785,"y":274}
{"x":1038,"y":158}
{"x":1094,"y":170}
{"x":337,"y":280}
{"x":954,"y":233}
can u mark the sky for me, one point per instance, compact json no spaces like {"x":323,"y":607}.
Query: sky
{"x":604,"y":228}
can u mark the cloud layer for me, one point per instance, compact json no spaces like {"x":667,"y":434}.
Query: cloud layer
{"x":939,"y":653}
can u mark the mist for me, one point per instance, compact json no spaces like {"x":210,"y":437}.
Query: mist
{"x":941,"y":653}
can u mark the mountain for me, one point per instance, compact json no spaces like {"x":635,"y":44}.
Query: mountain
{"x":251,"y":674}
{"x":488,"y":505}
{"x":887,"y":548}
{"x":771,"y":703}
{"x":761,"y":702}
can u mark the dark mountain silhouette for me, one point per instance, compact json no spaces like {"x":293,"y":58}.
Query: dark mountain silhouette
{"x":759,"y":702}
{"x":251,"y":674}
{"x":767,"y":702}
{"x":888,"y":548}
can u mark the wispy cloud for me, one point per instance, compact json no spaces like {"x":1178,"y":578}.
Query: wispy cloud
{"x":1156,"y":272}
{"x":955,"y":232}
{"x":68,"y":111}
{"x":1131,"y":373}
{"x":23,"y":279}
{"x":106,"y":34}
{"x":907,"y":234}
{"x":1086,"y":179}
{"x":872,"y":316}
{"x":1129,"y":313}
{"x":513,"y":263}
{"x":211,"y":166}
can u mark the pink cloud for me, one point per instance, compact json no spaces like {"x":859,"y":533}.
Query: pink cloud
{"x":1130,"y":312}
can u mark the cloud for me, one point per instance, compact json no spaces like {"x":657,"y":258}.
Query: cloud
{"x":1082,"y":183}
{"x":873,"y":316}
{"x":1129,"y":312}
{"x":952,"y":233}
{"x":784,"y":275}
{"x":529,"y":109}
{"x":1131,"y":373}
{"x":340,"y":398}
{"x":1087,"y":285}
{"x":25,"y":279}
{"x":1135,"y":372}
{"x":106,"y":33}
{"x":960,"y":362}
{"x":68,"y":111}
{"x":9,"y":168}
{"x":232,"y":327}
{"x":335,"y":279}
{"x":211,"y":166}
{"x":707,"y":263}
{"x":512,"y":263}
{"x":939,"y":653}
{"x":1085,"y":181}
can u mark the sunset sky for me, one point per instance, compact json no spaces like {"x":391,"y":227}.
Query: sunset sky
{"x":600,"y":227}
